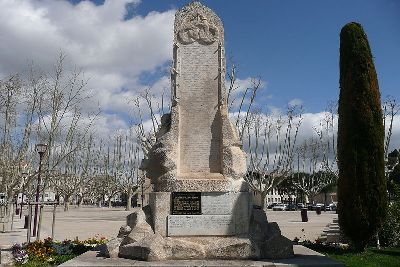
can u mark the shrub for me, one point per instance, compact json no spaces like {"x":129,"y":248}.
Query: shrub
{"x":389,"y":234}
{"x":48,"y":251}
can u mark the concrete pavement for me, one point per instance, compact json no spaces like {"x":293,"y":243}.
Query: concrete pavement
{"x":86,"y":221}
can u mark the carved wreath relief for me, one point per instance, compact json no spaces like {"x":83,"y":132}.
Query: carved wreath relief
{"x":197,"y":28}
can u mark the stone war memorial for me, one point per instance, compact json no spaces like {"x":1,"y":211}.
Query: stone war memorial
{"x":201,"y":207}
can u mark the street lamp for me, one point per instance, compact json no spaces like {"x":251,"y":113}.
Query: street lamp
{"x":24,"y":177}
{"x":40,"y":148}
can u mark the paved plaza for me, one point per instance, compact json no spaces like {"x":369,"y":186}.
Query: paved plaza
{"x":85,"y":222}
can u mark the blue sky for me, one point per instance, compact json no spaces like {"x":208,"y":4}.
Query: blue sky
{"x":294,"y":45}
{"x":125,"y":46}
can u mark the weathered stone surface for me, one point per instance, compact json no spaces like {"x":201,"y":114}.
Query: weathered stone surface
{"x":124,"y":231}
{"x":6,"y":258}
{"x":149,"y":248}
{"x":232,"y":248}
{"x":233,"y":156}
{"x":111,"y":248}
{"x":137,"y":217}
{"x":169,"y":182}
{"x":160,"y":203}
{"x":137,"y":234}
{"x":154,"y":247}
{"x":197,"y":148}
{"x":137,"y":227}
{"x":303,"y":257}
{"x":268,"y":238}
{"x":276,"y":247}
{"x":184,"y":249}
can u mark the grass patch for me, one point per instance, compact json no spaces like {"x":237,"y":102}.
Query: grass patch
{"x":371,"y":257}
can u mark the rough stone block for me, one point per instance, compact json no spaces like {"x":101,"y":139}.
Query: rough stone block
{"x":111,"y":248}
{"x":232,"y":248}
{"x":137,"y":234}
{"x":160,"y":203}
{"x":184,"y":249}
{"x":276,"y":247}
{"x":124,"y":231}
{"x":150,"y":248}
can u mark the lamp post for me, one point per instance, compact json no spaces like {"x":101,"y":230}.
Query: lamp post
{"x":40,"y":148}
{"x":24,"y":177}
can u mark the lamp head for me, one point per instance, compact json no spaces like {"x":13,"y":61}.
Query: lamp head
{"x":40,"y":148}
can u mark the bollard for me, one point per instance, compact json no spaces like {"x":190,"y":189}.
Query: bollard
{"x":318,"y":210}
{"x":28,"y":233}
{"x":26,"y":221}
{"x":304,"y":216}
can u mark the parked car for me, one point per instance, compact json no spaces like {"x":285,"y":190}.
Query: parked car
{"x":331,"y":206}
{"x":300,"y":205}
{"x":279,"y":207}
{"x":270,"y":206}
{"x":291,"y":206}
{"x":318,"y":205}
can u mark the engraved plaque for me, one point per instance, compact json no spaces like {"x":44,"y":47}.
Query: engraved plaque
{"x":200,"y":225}
{"x":221,"y":203}
{"x":186,"y":203}
{"x":199,"y":122}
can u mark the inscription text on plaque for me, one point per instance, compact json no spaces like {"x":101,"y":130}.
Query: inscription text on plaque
{"x":186,"y":203}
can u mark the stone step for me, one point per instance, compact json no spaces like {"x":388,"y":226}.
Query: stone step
{"x":332,"y":231}
{"x":333,"y":228}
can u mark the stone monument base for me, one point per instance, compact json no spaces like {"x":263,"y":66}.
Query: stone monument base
{"x":138,"y":240}
{"x":156,"y":248}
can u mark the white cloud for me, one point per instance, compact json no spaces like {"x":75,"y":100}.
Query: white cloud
{"x":395,"y":138}
{"x":295,"y":102}
{"x":111,"y":51}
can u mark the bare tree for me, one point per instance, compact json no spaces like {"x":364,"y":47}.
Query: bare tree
{"x":270,"y":147}
{"x":62,"y":126}
{"x":316,"y":159}
{"x":245,"y":101}
{"x":128,"y":160}
{"x":390,"y":110}
{"x":75,"y":172}
{"x":312,"y":173}
{"x":18,"y":104}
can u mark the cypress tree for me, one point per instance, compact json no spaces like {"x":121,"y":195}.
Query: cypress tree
{"x":361,"y":187}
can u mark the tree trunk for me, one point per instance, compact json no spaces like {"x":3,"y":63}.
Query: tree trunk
{"x":80,"y":200}
{"x":129,"y":200}
{"x":263,"y":196}
{"x":109,"y":203}
{"x":66,"y":203}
